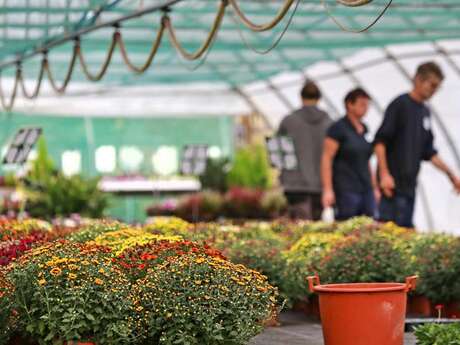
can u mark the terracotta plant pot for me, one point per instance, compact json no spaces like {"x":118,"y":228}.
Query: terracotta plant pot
{"x":452,"y":310}
{"x":419,"y":306}
{"x":363,"y":313}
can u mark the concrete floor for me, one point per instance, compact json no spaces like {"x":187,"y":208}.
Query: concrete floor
{"x":296,"y":329}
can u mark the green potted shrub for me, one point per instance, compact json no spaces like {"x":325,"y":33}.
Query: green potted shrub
{"x":250,"y":168}
{"x":49,"y":193}
{"x":215,"y":176}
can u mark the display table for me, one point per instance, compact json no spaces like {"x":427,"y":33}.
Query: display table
{"x":143,"y":186}
{"x":131,"y":196}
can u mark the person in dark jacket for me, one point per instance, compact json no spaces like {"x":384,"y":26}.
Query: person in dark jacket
{"x":306,"y":127}
{"x":348,"y":182}
{"x":403,"y":141}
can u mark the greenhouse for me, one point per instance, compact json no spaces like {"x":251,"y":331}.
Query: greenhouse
{"x":211,"y":169}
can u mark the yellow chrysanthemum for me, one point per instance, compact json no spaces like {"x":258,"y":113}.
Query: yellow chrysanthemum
{"x":99,"y":281}
{"x":72,"y":276}
{"x":56,"y":271}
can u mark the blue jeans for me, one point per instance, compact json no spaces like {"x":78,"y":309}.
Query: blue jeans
{"x":350,"y":204}
{"x":398,"y":209}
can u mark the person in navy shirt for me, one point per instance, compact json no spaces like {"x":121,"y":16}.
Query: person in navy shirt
{"x":403,"y":141}
{"x":345,"y":171}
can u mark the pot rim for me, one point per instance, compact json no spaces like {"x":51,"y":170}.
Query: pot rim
{"x":361,"y":287}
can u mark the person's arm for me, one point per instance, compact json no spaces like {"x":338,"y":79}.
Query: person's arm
{"x":330,"y":149}
{"x":375,"y":184}
{"x":384,"y":137}
{"x":387,"y":182}
{"x":439,"y":163}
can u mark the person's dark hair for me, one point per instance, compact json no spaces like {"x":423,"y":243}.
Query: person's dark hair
{"x":354,"y":94}
{"x":310,"y":91}
{"x":427,"y":68}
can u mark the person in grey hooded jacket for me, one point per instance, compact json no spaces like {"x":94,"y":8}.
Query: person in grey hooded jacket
{"x":307,"y":128}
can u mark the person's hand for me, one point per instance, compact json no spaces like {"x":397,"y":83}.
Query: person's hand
{"x":387,"y":183}
{"x":456,"y":183}
{"x":328,"y":198}
{"x":377,"y":194}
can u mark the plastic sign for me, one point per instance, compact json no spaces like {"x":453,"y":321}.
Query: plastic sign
{"x":21,"y":145}
{"x":281,"y":152}
{"x":194,"y":159}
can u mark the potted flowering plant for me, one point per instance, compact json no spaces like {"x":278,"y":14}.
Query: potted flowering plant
{"x":257,"y":248}
{"x":241,"y":203}
{"x":303,"y":259}
{"x":12,"y":229}
{"x":135,"y":261}
{"x":7,"y":317}
{"x":72,"y":292}
{"x":121,"y":240}
{"x":436,"y":259}
{"x":198,"y":299}
{"x":365,"y":257}
{"x":18,"y":236}
{"x":94,"y":228}
{"x":169,"y":226}
{"x":203,"y":206}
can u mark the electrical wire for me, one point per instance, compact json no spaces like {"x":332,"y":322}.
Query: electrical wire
{"x":277,"y":41}
{"x":344,"y":28}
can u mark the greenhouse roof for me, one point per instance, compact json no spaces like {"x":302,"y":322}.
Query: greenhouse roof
{"x":231,"y":78}
{"x":27,"y":25}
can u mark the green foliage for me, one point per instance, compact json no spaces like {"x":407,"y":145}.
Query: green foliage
{"x":365,"y":257}
{"x":11,"y":180}
{"x":51,"y":194}
{"x":250,"y":168}
{"x":43,"y":166}
{"x":437,"y":334}
{"x":59,"y":195}
{"x":215,"y":175}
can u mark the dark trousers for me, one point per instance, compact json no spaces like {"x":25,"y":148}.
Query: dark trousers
{"x":398,"y":209}
{"x":351,"y":204}
{"x":304,"y":205}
